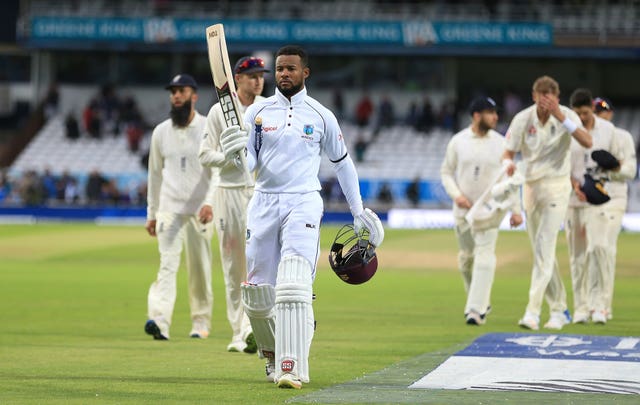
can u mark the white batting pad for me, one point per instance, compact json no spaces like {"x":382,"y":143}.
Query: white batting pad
{"x":258,"y":303}
{"x":294,"y":317}
{"x":370,"y":221}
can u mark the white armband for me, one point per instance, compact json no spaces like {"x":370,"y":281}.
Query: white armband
{"x":570,"y":125}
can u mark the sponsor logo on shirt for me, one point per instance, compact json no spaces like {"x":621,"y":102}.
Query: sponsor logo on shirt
{"x":268,"y":129}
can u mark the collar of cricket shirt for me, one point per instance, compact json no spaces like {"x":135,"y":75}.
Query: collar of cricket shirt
{"x":297,"y":98}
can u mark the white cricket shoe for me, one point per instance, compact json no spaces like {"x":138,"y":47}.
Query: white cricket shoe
{"x":580,"y":317}
{"x":474,"y":318}
{"x":289,"y":380}
{"x":238,"y":346}
{"x":557,"y":320}
{"x":530,"y":321}
{"x":599,"y":317}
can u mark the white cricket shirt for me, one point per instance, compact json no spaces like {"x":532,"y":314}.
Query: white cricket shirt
{"x":224,"y":173}
{"x":471,"y":165}
{"x":177,"y":182}
{"x":617,"y":185}
{"x":544,"y":147}
{"x":288,"y":146}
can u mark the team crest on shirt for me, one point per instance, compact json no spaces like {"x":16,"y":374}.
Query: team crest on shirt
{"x":308,"y":129}
{"x":532,"y":130}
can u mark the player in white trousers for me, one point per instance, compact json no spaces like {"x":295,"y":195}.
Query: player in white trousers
{"x":471,"y":165}
{"x":179,"y":212}
{"x":586,"y":226}
{"x":231,"y":198}
{"x":542,"y":134}
{"x":618,"y":189}
{"x":288,"y":132}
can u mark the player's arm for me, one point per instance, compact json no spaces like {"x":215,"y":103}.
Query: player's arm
{"x":210,"y":154}
{"x":627,"y":153}
{"x":154,"y":182}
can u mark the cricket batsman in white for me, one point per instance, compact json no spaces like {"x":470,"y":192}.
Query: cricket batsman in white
{"x":231,"y":198}
{"x":542,"y":133}
{"x":287,"y":134}
{"x":618,"y":190}
{"x":586,"y":224}
{"x":472,"y":165}
{"x":179,"y":212}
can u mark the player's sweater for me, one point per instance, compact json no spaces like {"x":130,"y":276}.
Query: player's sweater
{"x":177,"y":182}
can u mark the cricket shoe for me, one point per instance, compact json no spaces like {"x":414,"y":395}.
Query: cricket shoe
{"x":530,"y":321}
{"x":289,"y":380}
{"x":199,"y":331}
{"x":474,"y":318}
{"x":599,"y":317}
{"x":152,"y":328}
{"x":270,"y":371}
{"x":558,"y":319}
{"x":580,"y":317}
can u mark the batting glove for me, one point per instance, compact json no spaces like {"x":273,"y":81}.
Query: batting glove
{"x":368,"y":220}
{"x":232,"y":141}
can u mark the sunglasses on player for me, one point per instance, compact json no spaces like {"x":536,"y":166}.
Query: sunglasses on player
{"x":250,"y":63}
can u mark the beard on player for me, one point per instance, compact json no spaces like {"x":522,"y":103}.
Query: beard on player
{"x":486,"y":123}
{"x":290,"y":90}
{"x":180,"y":114}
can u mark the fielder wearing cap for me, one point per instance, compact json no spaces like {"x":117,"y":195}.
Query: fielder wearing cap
{"x":471,"y":168}
{"x":587,"y":220}
{"x":231,"y":198}
{"x":617,"y":188}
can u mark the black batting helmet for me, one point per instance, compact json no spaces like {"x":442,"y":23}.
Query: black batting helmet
{"x":352,"y":257}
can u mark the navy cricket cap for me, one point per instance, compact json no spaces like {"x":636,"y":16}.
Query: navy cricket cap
{"x":249,"y":64}
{"x":480,"y":104}
{"x":602,"y":104}
{"x":182,"y":80}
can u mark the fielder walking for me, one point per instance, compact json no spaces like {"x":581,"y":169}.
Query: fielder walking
{"x":472,"y":164}
{"x":287,"y":134}
{"x":542,"y":133}
{"x":231,"y":198}
{"x":179,"y":212}
{"x":618,"y":190}
{"x":586,"y":224}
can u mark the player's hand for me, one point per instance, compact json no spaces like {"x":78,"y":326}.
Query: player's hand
{"x":509,"y":167}
{"x":150,"y":226}
{"x":551,"y":103}
{"x":463,"y":202}
{"x":515,"y":220}
{"x":369,"y":220}
{"x":206,"y":214}
{"x":232,"y":141}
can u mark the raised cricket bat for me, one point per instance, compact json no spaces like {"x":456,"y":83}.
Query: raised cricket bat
{"x":224,"y":84}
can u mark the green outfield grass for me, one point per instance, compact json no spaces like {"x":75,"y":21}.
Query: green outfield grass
{"x":74,"y":306}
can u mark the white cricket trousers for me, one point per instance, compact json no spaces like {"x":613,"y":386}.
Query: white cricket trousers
{"x":173,"y":232}
{"x":603,"y":227}
{"x":477,"y":264}
{"x":230,"y":218}
{"x":280,"y":225}
{"x":545,"y":202}
{"x":576,"y":232}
